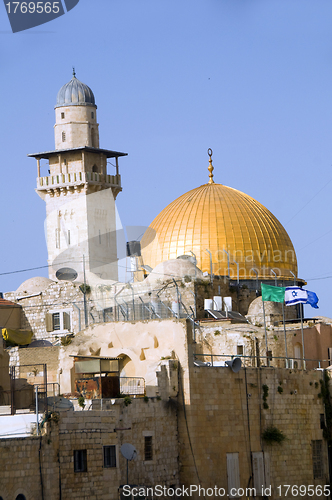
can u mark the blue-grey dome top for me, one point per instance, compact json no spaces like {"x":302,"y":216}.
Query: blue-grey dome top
{"x":75,"y":93}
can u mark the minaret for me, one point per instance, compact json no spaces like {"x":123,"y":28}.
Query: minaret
{"x":79,"y":193}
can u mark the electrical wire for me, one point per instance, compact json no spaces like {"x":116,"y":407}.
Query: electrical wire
{"x":309,"y":201}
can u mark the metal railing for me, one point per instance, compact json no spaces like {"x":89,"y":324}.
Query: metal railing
{"x":132,"y":386}
{"x":215,"y":360}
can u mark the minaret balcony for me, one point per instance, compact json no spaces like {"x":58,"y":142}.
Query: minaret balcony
{"x":76,"y":179}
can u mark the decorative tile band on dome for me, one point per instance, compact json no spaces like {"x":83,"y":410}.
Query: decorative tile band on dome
{"x":75,"y":93}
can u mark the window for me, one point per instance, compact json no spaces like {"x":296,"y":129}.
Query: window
{"x":92,"y":115}
{"x":330,"y":355}
{"x":68,"y":237}
{"x":240,"y":350}
{"x":108,"y":314}
{"x":109,"y":456}
{"x":148,"y":452}
{"x":80,"y":461}
{"x":57,"y":238}
{"x":63,"y":136}
{"x":20,"y":497}
{"x":58,"y":321}
{"x":62,"y":115}
{"x":322,"y":421}
{"x":317,"y":459}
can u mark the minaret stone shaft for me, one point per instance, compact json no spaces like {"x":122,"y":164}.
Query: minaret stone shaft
{"x":78,"y":191}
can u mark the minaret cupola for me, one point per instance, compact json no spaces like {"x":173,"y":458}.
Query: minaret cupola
{"x":75,"y":116}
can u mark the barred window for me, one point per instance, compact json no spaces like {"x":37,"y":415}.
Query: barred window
{"x":109,"y":456}
{"x":80,"y":461}
{"x":56,"y":321}
{"x":148,"y":451}
{"x":63,"y":136}
{"x":62,"y":115}
{"x":317,"y":459}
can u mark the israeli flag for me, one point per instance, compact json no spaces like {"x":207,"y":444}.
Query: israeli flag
{"x":295,"y":295}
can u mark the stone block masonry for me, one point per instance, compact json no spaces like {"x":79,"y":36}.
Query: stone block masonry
{"x":229,"y":418}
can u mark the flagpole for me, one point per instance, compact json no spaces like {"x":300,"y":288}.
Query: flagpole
{"x":304,"y":367}
{"x":267,"y":359}
{"x":283,"y":317}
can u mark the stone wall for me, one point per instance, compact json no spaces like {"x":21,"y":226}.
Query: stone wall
{"x":58,"y":296}
{"x":224,"y":414}
{"x":28,"y":463}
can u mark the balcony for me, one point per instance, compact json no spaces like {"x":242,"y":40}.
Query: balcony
{"x":77,"y":179}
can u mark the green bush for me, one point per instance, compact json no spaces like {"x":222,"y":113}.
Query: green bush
{"x":273,"y":435}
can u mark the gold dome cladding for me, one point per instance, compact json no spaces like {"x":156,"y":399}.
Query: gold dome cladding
{"x":218,"y":218}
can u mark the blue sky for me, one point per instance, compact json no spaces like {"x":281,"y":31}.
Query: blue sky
{"x":250,"y":79}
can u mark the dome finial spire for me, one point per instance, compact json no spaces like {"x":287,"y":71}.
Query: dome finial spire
{"x":210,"y":167}
{"x":74,"y":74}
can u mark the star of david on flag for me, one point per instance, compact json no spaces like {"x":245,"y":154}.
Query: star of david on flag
{"x":295,"y":295}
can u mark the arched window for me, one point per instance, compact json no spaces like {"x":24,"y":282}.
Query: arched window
{"x":94,"y":168}
{"x":63,"y":136}
{"x":20,"y":497}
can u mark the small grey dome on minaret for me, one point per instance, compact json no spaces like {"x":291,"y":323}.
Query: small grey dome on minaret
{"x":75,"y":93}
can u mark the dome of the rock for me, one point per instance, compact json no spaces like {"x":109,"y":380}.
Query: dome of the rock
{"x":243,"y":237}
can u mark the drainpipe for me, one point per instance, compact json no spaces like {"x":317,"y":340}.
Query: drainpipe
{"x":133,"y":298}
{"x":227,"y":262}
{"x":293,"y":277}
{"x":178,"y":297}
{"x":256,"y":272}
{"x":238,"y":271}
{"x":208,"y":251}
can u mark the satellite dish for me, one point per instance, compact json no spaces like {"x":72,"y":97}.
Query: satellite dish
{"x":198,"y":362}
{"x":128,"y":451}
{"x":66,"y":274}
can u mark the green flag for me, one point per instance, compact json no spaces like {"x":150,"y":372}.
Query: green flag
{"x":273,"y":293}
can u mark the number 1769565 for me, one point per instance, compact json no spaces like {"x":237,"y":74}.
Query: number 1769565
{"x":32,"y":7}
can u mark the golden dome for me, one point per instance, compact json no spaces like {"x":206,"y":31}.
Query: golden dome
{"x":214,"y":217}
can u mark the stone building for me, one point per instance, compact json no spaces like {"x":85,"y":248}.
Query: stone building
{"x":193,"y":306}
{"x":207,"y":426}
